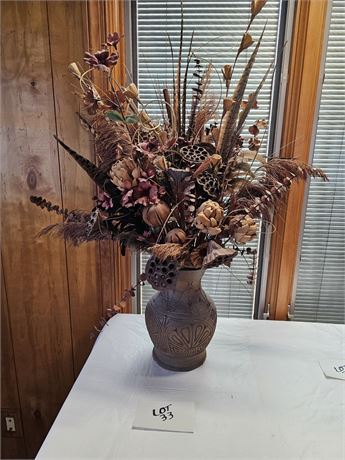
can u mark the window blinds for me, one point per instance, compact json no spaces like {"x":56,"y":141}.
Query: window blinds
{"x":218,"y":28}
{"x":320,"y":282}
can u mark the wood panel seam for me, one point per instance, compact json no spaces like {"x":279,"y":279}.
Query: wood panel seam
{"x":61,"y":191}
{"x":13,"y":354}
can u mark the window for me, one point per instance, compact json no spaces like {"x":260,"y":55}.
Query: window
{"x":320,"y":282}
{"x":218,"y":27}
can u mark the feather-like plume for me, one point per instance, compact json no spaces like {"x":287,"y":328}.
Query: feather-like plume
{"x":168,"y":251}
{"x":112,"y":140}
{"x":92,"y":170}
{"x":227,"y":134}
{"x":177,"y":102}
{"x":197,"y":93}
{"x":77,"y":232}
{"x":97,"y":174}
{"x":44,"y":204}
{"x":251,"y":102}
{"x":184,"y":92}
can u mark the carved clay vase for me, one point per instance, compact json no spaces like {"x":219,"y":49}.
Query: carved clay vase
{"x":181,"y":321}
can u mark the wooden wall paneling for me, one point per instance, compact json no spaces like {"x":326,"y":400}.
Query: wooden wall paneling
{"x":115,"y":22}
{"x":11,"y":446}
{"x":67,"y":45}
{"x":105,"y":17}
{"x":299,"y":115}
{"x":34,"y":270}
{"x":95,"y":24}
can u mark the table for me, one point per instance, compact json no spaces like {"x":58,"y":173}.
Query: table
{"x":261,"y":394}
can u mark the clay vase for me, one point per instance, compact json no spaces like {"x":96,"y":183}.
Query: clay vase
{"x":181,"y":320}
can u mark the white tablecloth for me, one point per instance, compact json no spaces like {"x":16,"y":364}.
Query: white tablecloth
{"x":260,"y":394}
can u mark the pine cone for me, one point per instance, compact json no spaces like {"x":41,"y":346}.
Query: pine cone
{"x":209,"y":217}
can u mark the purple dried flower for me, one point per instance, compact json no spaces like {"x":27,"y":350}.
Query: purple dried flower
{"x":113,"y":39}
{"x":101,"y":60}
{"x":104,"y":200}
{"x":145,"y":193}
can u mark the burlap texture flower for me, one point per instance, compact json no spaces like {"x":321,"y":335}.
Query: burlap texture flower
{"x":244,"y":229}
{"x":125,"y":174}
{"x":209,"y":217}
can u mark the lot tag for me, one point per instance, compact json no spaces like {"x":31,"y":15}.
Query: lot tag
{"x":165,"y":416}
{"x":333,"y":369}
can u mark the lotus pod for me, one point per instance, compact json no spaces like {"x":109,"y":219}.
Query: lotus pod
{"x":210,"y":183}
{"x":194,"y":154}
{"x":217,"y":255}
{"x":161,"y":275}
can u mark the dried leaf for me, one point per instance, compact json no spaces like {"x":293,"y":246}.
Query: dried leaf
{"x":256,"y":7}
{"x":227,"y":71}
{"x":254,"y":130}
{"x":113,"y":115}
{"x":246,"y":42}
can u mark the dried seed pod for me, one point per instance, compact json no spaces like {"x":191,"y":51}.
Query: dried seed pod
{"x":210,"y":183}
{"x":177,"y":235}
{"x":194,"y":153}
{"x":131,"y":91}
{"x":161,"y":275}
{"x":156,"y":214}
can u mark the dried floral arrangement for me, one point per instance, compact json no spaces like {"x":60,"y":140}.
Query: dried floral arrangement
{"x":191,"y":187}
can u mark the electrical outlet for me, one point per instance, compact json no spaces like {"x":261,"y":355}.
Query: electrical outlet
{"x":10,"y":424}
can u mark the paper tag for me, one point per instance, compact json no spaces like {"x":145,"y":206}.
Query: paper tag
{"x":165,"y":416}
{"x":333,"y":369}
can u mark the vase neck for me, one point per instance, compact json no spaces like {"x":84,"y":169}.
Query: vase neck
{"x":188,"y":279}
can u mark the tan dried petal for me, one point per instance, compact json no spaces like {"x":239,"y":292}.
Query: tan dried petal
{"x":226,"y":71}
{"x":213,"y":231}
{"x":74,"y":69}
{"x":131,"y":91}
{"x":246,"y":42}
{"x":257,"y":6}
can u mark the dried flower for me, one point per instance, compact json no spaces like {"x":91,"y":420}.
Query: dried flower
{"x":156,"y":214}
{"x":101,"y":60}
{"x":244,"y":229}
{"x":113,"y":39}
{"x":125,"y":174}
{"x":104,"y":200}
{"x":145,"y":193}
{"x":209,"y":217}
{"x":92,"y":100}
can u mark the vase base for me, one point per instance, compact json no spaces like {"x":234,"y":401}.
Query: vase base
{"x":177,"y":363}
